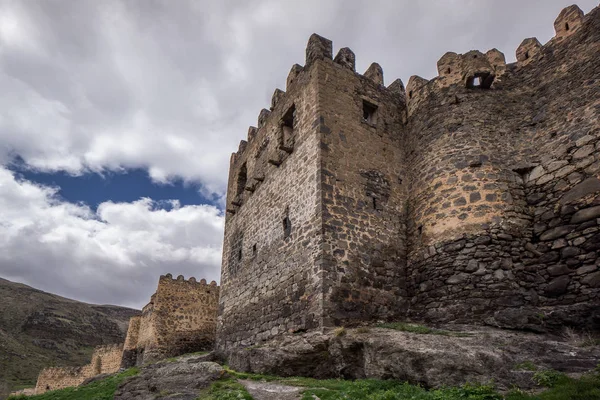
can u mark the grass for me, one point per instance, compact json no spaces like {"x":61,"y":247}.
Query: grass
{"x":565,"y":388}
{"x":225,"y":389}
{"x":420,"y":329}
{"x":559,"y":387}
{"x":99,"y":390}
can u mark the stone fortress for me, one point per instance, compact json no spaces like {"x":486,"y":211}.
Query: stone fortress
{"x":180,"y":318}
{"x":105,"y":360}
{"x":473,"y":197}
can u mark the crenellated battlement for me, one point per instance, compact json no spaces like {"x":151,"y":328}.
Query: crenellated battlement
{"x":168,"y":279}
{"x":473,"y":196}
{"x":179,"y":318}
{"x":273,"y":140}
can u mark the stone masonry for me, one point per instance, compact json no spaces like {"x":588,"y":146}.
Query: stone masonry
{"x":180,"y":318}
{"x":105,"y":360}
{"x":471,"y":197}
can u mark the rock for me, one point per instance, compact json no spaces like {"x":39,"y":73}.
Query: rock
{"x":557,"y":270}
{"x":535,"y":198}
{"x":555,"y":232}
{"x":472,"y":266}
{"x":536,"y":173}
{"x":458,"y":278}
{"x":585,"y":215}
{"x":585,"y":269}
{"x":592,"y":280}
{"x":549,"y":257}
{"x":483,"y":354}
{"x":588,"y":186}
{"x":531,"y":247}
{"x":569,"y":252}
{"x":261,"y":390}
{"x":558,"y":286}
{"x":184,"y":377}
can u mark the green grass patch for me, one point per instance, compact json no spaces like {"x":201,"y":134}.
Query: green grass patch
{"x":369,"y":389}
{"x":420,"y":329}
{"x":225,"y":389}
{"x":565,"y":388}
{"x":99,"y":390}
{"x":560,"y":387}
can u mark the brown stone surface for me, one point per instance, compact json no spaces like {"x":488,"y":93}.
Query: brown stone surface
{"x":467,"y":198}
{"x":180,"y":318}
{"x":105,"y":360}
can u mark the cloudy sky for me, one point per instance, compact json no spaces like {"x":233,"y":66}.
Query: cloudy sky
{"x":117,"y":118}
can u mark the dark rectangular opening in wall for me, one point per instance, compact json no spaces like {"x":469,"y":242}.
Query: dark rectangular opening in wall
{"x":288,"y":123}
{"x":242,"y":179}
{"x":287,"y":227}
{"x":240,"y":255}
{"x":374,"y":203}
{"x":254,"y":251}
{"x":369,"y":112}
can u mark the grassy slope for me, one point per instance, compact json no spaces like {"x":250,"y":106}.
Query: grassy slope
{"x":227,"y":388}
{"x":39,"y":329}
{"x":99,"y":390}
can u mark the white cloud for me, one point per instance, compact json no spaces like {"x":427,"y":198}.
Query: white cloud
{"x":171,"y":87}
{"x":114,"y":255}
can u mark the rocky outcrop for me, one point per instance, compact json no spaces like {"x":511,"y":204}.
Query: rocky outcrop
{"x":447,"y":358}
{"x":181,"y":379}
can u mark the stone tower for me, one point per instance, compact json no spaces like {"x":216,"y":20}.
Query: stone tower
{"x":471,"y":197}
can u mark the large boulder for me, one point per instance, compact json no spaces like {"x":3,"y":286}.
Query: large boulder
{"x":180,"y":379}
{"x":446,"y":358}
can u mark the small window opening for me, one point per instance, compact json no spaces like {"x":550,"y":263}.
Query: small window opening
{"x":477,"y":81}
{"x":254,"y":251}
{"x":242,"y":179}
{"x":369,"y":112}
{"x":287,"y":227}
{"x":448,"y":70}
{"x":566,"y":26}
{"x":410,"y":94}
{"x":374,"y":203}
{"x":475,"y":56}
{"x":240,"y":255}
{"x":526,"y":55}
{"x":287,"y":127}
{"x":420,"y":229}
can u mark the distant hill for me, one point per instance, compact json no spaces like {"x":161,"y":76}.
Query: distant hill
{"x":39,"y":329}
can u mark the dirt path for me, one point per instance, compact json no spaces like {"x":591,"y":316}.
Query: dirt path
{"x":271,"y":390}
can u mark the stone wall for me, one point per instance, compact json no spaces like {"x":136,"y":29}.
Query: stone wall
{"x":471,"y":197}
{"x":180,"y":318}
{"x":363,"y":192}
{"x":105,"y":360}
{"x":505,"y":173}
{"x":270,"y":280}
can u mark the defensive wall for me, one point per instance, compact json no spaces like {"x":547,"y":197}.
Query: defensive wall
{"x":180,"y":318}
{"x":471,"y":197}
{"x":105,"y":360}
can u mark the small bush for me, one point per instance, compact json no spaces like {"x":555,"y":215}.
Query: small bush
{"x":547,"y":377}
